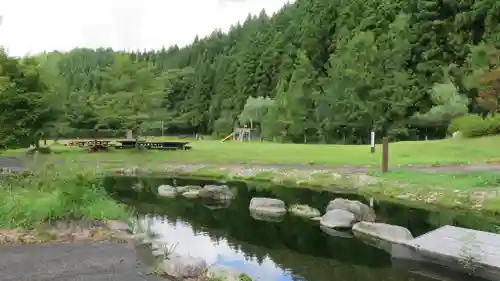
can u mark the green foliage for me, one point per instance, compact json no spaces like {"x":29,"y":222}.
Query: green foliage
{"x":245,"y":277}
{"x":475,"y":126}
{"x":131,"y":95}
{"x":448,"y":105}
{"x":333,"y":71}
{"x":223,"y":127}
{"x":65,"y":193}
{"x":255,"y":109}
{"x":25,"y":103}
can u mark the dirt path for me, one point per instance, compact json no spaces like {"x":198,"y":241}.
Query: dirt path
{"x":79,"y":261}
{"x":16,"y":164}
{"x":357,"y":169}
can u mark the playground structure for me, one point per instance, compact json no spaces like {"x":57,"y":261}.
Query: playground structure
{"x":239,"y":134}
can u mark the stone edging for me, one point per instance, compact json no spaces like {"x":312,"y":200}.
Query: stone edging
{"x":355,"y":183}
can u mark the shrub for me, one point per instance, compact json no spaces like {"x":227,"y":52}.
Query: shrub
{"x":69,"y":193}
{"x":223,"y":127}
{"x":472,"y":125}
{"x":41,"y":150}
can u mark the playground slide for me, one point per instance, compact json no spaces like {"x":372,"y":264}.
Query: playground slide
{"x":228,"y":137}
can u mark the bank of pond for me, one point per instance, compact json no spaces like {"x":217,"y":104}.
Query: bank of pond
{"x":219,"y":229}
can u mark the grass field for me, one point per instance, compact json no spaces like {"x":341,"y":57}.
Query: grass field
{"x":449,"y":189}
{"x":440,"y":152}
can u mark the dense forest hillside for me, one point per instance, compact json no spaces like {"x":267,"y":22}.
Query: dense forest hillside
{"x":316,"y":71}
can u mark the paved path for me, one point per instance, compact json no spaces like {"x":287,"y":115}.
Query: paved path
{"x":79,"y":261}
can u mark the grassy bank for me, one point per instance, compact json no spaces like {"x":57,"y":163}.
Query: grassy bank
{"x":440,"y":152}
{"x":74,"y":192}
{"x":471,"y":192}
{"x":55,"y":192}
{"x":66,"y":184}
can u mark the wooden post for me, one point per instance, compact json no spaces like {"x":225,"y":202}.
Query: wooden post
{"x":385,"y":155}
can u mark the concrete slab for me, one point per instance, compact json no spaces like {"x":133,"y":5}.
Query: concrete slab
{"x":465,"y":250}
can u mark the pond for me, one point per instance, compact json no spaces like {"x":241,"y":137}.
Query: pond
{"x":292,"y":249}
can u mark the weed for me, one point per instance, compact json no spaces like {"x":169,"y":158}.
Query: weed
{"x":471,"y":254}
{"x":50,"y":193}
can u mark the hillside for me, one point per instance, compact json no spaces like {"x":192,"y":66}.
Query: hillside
{"x":327,"y":71}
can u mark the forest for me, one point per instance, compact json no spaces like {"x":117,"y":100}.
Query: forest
{"x":317,"y":71}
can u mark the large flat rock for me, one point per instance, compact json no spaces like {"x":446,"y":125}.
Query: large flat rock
{"x":456,"y":247}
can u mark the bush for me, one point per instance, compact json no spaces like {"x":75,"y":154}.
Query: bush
{"x":472,"y":125}
{"x":41,"y":150}
{"x":223,"y":127}
{"x":69,"y":193}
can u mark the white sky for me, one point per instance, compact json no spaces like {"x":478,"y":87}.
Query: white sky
{"x":33,"y":26}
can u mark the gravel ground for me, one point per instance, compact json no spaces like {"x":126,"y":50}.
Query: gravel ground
{"x":79,"y":261}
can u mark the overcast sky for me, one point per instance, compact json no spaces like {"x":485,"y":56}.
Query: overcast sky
{"x":32,"y":26}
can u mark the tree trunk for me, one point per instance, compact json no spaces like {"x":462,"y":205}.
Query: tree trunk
{"x":136,"y":136}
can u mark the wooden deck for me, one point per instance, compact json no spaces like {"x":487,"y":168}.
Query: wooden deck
{"x":461,"y":249}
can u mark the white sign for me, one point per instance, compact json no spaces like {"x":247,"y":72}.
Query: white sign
{"x":373,"y":139}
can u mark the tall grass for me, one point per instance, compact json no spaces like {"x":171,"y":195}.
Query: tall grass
{"x":55,"y":192}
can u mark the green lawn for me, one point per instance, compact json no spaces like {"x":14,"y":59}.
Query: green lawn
{"x":449,"y":180}
{"x":448,"y":189}
{"x":441,"y":152}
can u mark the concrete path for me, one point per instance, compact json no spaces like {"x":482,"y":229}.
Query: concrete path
{"x":79,"y":261}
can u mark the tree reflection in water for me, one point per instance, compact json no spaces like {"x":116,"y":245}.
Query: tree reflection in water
{"x":297,"y":247}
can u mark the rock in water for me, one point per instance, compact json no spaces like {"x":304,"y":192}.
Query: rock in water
{"x":267,"y":206}
{"x":167,"y":191}
{"x":361,"y":211}
{"x":185,"y":188}
{"x":181,"y":267}
{"x":217,"y":192}
{"x":381,"y":235}
{"x":337,"y":219}
{"x":278,"y":217}
{"x":335,"y":233}
{"x":191,"y":194}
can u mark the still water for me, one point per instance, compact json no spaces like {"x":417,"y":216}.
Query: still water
{"x":293,"y":249}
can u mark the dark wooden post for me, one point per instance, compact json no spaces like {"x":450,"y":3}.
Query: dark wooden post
{"x":385,"y":155}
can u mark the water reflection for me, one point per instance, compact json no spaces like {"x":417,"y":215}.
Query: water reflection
{"x":293,"y":249}
{"x":219,"y":252}
{"x":262,"y":263}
